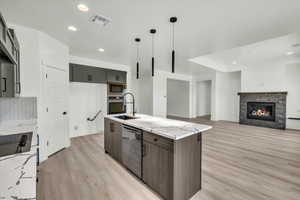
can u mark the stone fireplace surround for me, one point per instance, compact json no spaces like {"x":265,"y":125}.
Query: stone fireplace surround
{"x":279,"y":98}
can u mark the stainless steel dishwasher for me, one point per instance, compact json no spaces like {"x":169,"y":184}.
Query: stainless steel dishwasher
{"x":132,"y":149}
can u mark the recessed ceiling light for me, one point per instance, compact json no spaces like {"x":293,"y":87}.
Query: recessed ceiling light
{"x":234,"y":62}
{"x":289,"y":53}
{"x":72,"y":28}
{"x":82,"y":7}
{"x":101,"y":50}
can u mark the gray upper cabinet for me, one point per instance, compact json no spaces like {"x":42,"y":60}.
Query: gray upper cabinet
{"x":8,"y":42}
{"x":10,"y":85}
{"x":116,"y":76}
{"x":78,"y":73}
{"x":83,"y":73}
{"x":96,"y":75}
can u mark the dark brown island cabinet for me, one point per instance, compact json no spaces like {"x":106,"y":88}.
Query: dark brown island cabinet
{"x":171,"y":168}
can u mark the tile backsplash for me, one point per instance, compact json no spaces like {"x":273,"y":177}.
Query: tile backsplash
{"x":22,"y":108}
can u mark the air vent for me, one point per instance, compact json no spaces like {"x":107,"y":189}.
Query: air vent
{"x":98,"y":19}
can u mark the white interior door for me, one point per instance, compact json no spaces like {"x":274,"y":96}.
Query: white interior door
{"x":159,"y":96}
{"x":56,"y":98}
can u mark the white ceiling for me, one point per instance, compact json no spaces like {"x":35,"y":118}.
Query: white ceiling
{"x":204,"y":26}
{"x":269,"y":51}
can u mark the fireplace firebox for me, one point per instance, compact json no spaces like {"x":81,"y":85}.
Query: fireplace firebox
{"x":261,"y":111}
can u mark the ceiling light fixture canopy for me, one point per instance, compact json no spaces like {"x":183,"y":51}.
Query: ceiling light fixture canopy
{"x":173,"y":20}
{"x":137,"y":40}
{"x":152,"y":31}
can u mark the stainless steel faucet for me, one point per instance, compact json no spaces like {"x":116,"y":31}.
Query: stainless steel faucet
{"x":133,"y":101}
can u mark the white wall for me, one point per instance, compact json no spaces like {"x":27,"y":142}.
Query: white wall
{"x":178,"y":98}
{"x":37,"y":50}
{"x":292,"y":77}
{"x":203,"y":98}
{"x":263,"y":77}
{"x":55,"y":54}
{"x":227,"y":101}
{"x":85,"y":101}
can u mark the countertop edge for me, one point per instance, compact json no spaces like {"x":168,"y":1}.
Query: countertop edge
{"x":17,"y":127}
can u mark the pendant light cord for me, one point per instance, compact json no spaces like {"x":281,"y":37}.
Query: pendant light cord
{"x":137,"y":53}
{"x":152,"y":45}
{"x":173,"y":32}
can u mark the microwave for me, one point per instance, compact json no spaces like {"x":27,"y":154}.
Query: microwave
{"x":115,"y":88}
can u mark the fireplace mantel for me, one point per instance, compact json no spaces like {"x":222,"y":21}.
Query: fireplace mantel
{"x":283,"y":92}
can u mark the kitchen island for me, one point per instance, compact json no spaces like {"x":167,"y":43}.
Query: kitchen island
{"x":165,"y":154}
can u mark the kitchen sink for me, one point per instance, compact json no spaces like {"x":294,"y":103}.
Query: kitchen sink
{"x":125,"y":117}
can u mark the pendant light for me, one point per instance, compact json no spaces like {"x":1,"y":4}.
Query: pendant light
{"x":152,"y":31}
{"x":137,"y":40}
{"x":173,"y":20}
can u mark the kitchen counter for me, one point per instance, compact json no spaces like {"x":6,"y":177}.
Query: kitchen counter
{"x":18,"y":171}
{"x":172,"y":129}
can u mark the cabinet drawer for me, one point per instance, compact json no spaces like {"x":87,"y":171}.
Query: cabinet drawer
{"x":158,"y":140}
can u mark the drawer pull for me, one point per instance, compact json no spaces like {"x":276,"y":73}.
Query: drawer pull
{"x":155,"y":139}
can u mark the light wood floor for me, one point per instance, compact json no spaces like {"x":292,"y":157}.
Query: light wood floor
{"x":239,"y":162}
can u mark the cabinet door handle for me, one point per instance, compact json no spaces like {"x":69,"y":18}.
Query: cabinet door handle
{"x":155,"y":139}
{"x":5,"y":86}
{"x":90,"y":77}
{"x":199,"y":137}
{"x":19,"y":87}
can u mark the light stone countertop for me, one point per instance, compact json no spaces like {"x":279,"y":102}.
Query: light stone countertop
{"x":169,"y":128}
{"x":18,"y":171}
